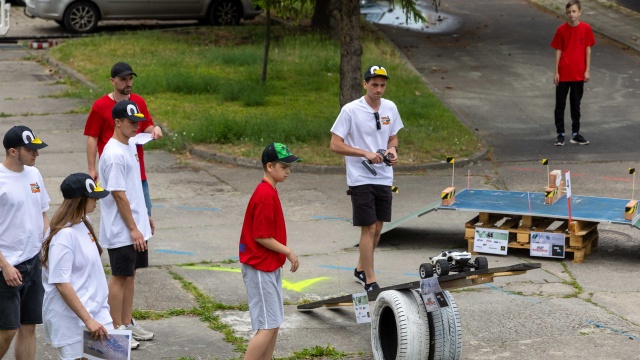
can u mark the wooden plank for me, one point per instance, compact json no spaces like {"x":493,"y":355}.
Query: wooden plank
{"x":581,"y":227}
{"x":580,"y":241}
{"x":510,"y":223}
{"x":543,"y":225}
{"x":453,"y":281}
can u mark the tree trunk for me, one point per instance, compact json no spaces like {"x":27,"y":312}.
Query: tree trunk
{"x":267,"y":43}
{"x":321,"y":18}
{"x":350,"y":52}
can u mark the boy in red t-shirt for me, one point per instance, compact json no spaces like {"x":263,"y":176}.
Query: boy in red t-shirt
{"x":572,"y":41}
{"x":263,"y":251}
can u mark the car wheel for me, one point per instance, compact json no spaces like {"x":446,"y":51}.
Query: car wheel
{"x":225,"y":12}
{"x":442,"y":267}
{"x":481,"y":262}
{"x":81,"y":17}
{"x":59,"y":22}
{"x":426,"y":271}
{"x":18,"y":2}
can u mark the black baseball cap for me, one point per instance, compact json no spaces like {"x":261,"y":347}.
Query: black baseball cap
{"x":278,"y":152}
{"x":127,"y":109}
{"x":375,"y":70}
{"x":121,"y":70}
{"x":81,"y":184}
{"x":22,"y":136}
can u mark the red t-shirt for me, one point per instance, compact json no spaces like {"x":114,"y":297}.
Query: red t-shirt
{"x":100,"y":124}
{"x":573,"y":41}
{"x":263,"y":219}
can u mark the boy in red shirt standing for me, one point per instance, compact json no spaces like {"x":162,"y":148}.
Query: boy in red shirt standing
{"x":263,"y":251}
{"x":572,"y":41}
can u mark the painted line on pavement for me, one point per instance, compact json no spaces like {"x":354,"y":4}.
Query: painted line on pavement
{"x":619,"y":332}
{"x":176,"y":252}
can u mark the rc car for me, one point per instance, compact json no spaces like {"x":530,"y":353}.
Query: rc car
{"x":452,"y":260}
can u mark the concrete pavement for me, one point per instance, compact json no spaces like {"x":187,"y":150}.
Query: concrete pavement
{"x":563,"y":311}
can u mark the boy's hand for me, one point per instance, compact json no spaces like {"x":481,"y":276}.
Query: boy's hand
{"x":587,"y":76}
{"x":138,"y":240}
{"x":293,"y":259}
{"x":556,"y":79}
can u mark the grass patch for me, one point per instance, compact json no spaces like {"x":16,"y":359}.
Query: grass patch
{"x":577,"y":289}
{"x":327,"y":352}
{"x":203,"y":83}
{"x":205,"y":309}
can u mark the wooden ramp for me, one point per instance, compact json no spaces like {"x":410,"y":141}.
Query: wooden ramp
{"x":414,"y":215}
{"x":453,"y":281}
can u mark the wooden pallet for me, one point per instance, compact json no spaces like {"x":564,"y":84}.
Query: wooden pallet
{"x":581,"y":236}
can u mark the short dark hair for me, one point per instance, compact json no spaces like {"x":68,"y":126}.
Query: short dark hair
{"x":573,"y":2}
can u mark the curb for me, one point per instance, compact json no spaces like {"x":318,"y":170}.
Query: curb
{"x":41,"y":45}
{"x":207,"y":154}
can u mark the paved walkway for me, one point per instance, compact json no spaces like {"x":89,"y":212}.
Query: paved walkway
{"x":606,"y":18}
{"x":198,"y":213}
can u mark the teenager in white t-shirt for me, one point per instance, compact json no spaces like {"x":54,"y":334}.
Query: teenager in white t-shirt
{"x":23,"y":221}
{"x":125,"y":225}
{"x":75,"y":285}
{"x":363,"y":127}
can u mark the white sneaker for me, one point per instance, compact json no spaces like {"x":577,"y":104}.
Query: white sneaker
{"x":138,"y":332}
{"x":134,"y":343}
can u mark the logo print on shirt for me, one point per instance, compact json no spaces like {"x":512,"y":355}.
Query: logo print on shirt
{"x":385,"y":120}
{"x":91,"y":237}
{"x":35,"y":188}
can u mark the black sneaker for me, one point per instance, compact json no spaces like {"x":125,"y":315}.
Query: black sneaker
{"x":359,"y":275}
{"x":579,"y":139}
{"x":560,"y":140}
{"x":371,"y":287}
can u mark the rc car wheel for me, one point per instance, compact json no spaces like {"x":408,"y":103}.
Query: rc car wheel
{"x":442,"y":267}
{"x":426,"y":271}
{"x":225,"y":12}
{"x":481,"y":262}
{"x":81,"y":17}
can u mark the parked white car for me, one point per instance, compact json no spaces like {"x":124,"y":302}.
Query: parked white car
{"x":82,"y":16}
{"x":452,"y":260}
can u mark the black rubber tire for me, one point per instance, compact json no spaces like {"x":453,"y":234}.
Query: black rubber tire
{"x":225,"y":12}
{"x":400,"y":326}
{"x":17,"y":2}
{"x":59,"y":22}
{"x":442,"y":267}
{"x":81,"y":17}
{"x":445,"y":330}
{"x":426,"y":270}
{"x":481,"y":263}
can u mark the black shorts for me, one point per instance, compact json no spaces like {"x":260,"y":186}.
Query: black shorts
{"x":371,"y":203}
{"x":22,"y":305}
{"x":125,"y":260}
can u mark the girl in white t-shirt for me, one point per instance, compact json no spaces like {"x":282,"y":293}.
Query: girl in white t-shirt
{"x":75,"y":285}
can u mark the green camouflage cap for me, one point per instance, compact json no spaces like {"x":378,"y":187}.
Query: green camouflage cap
{"x":278,"y":152}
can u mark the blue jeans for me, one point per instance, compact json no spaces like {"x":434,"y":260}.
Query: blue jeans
{"x":147,"y":197}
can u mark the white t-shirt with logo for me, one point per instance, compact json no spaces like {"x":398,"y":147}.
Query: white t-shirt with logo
{"x":356,"y":124}
{"x":23,"y":199}
{"x":119,"y":170}
{"x":73,"y":259}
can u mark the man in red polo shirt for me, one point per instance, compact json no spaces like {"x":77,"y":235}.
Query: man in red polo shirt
{"x":99,"y":126}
